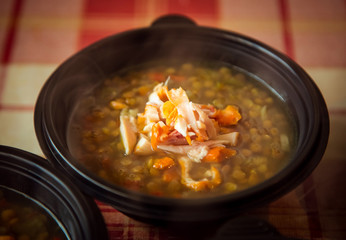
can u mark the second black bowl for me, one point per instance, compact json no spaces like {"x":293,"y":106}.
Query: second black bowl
{"x":36,"y":179}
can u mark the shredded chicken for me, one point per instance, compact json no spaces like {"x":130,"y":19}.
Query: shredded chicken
{"x":231,"y":138}
{"x":172,"y":123}
{"x":128,"y":132}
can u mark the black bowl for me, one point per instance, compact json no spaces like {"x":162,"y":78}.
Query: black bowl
{"x":37,"y":179}
{"x":177,"y":37}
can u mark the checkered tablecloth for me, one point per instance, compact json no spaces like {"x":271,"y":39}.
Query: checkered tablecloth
{"x":37,"y":35}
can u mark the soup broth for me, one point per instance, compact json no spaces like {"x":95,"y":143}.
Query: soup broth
{"x":182,"y":131}
{"x":23,"y":219}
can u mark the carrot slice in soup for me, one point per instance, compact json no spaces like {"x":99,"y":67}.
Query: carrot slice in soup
{"x":158,"y":132}
{"x":167,"y":109}
{"x":163,"y":163}
{"x":218,"y":154}
{"x":228,"y":116}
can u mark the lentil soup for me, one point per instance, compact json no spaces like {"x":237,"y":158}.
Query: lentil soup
{"x":24,"y":218}
{"x":182,"y":131}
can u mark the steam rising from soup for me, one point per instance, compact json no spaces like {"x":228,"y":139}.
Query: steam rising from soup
{"x":182,"y":131}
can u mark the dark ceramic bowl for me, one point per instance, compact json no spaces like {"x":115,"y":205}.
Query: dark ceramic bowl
{"x":38,"y":180}
{"x":177,"y":37}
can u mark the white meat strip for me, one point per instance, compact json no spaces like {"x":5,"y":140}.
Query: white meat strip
{"x":203,"y":117}
{"x":151,"y":114}
{"x":154,"y":97}
{"x":186,"y":109}
{"x":196,"y":154}
{"x":143,"y":146}
{"x":128,"y":132}
{"x":232,"y":138}
{"x":196,"y":151}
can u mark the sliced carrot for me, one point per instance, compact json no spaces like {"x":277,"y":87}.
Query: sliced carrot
{"x":198,"y":186}
{"x":226,"y":152}
{"x":218,"y":154}
{"x":167,"y":108}
{"x":163,"y":163}
{"x":188,"y":139}
{"x":228,"y":116}
{"x":162,"y":93}
{"x":141,"y":121}
{"x":158,"y":133}
{"x":155,"y":132}
{"x":213,"y":155}
{"x":173,"y":116}
{"x":202,"y":135}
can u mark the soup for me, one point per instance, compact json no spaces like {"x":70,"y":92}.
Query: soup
{"x":23,"y":219}
{"x":182,"y":131}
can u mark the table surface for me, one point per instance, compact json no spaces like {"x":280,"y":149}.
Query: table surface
{"x":37,"y":35}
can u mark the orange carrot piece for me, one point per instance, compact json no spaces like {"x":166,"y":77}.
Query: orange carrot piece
{"x":167,"y":108}
{"x":155,"y":134}
{"x":141,"y":121}
{"x":213,"y":155}
{"x":188,"y":139}
{"x":218,"y":154}
{"x":158,"y":134}
{"x":199,"y":186}
{"x":226,"y":152}
{"x":162,"y":93}
{"x":163,"y":163}
{"x":228,"y":116}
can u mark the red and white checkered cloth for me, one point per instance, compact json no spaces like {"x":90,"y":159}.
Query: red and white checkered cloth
{"x":37,"y":35}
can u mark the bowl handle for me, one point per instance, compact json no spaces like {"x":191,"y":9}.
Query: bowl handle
{"x":173,"y":20}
